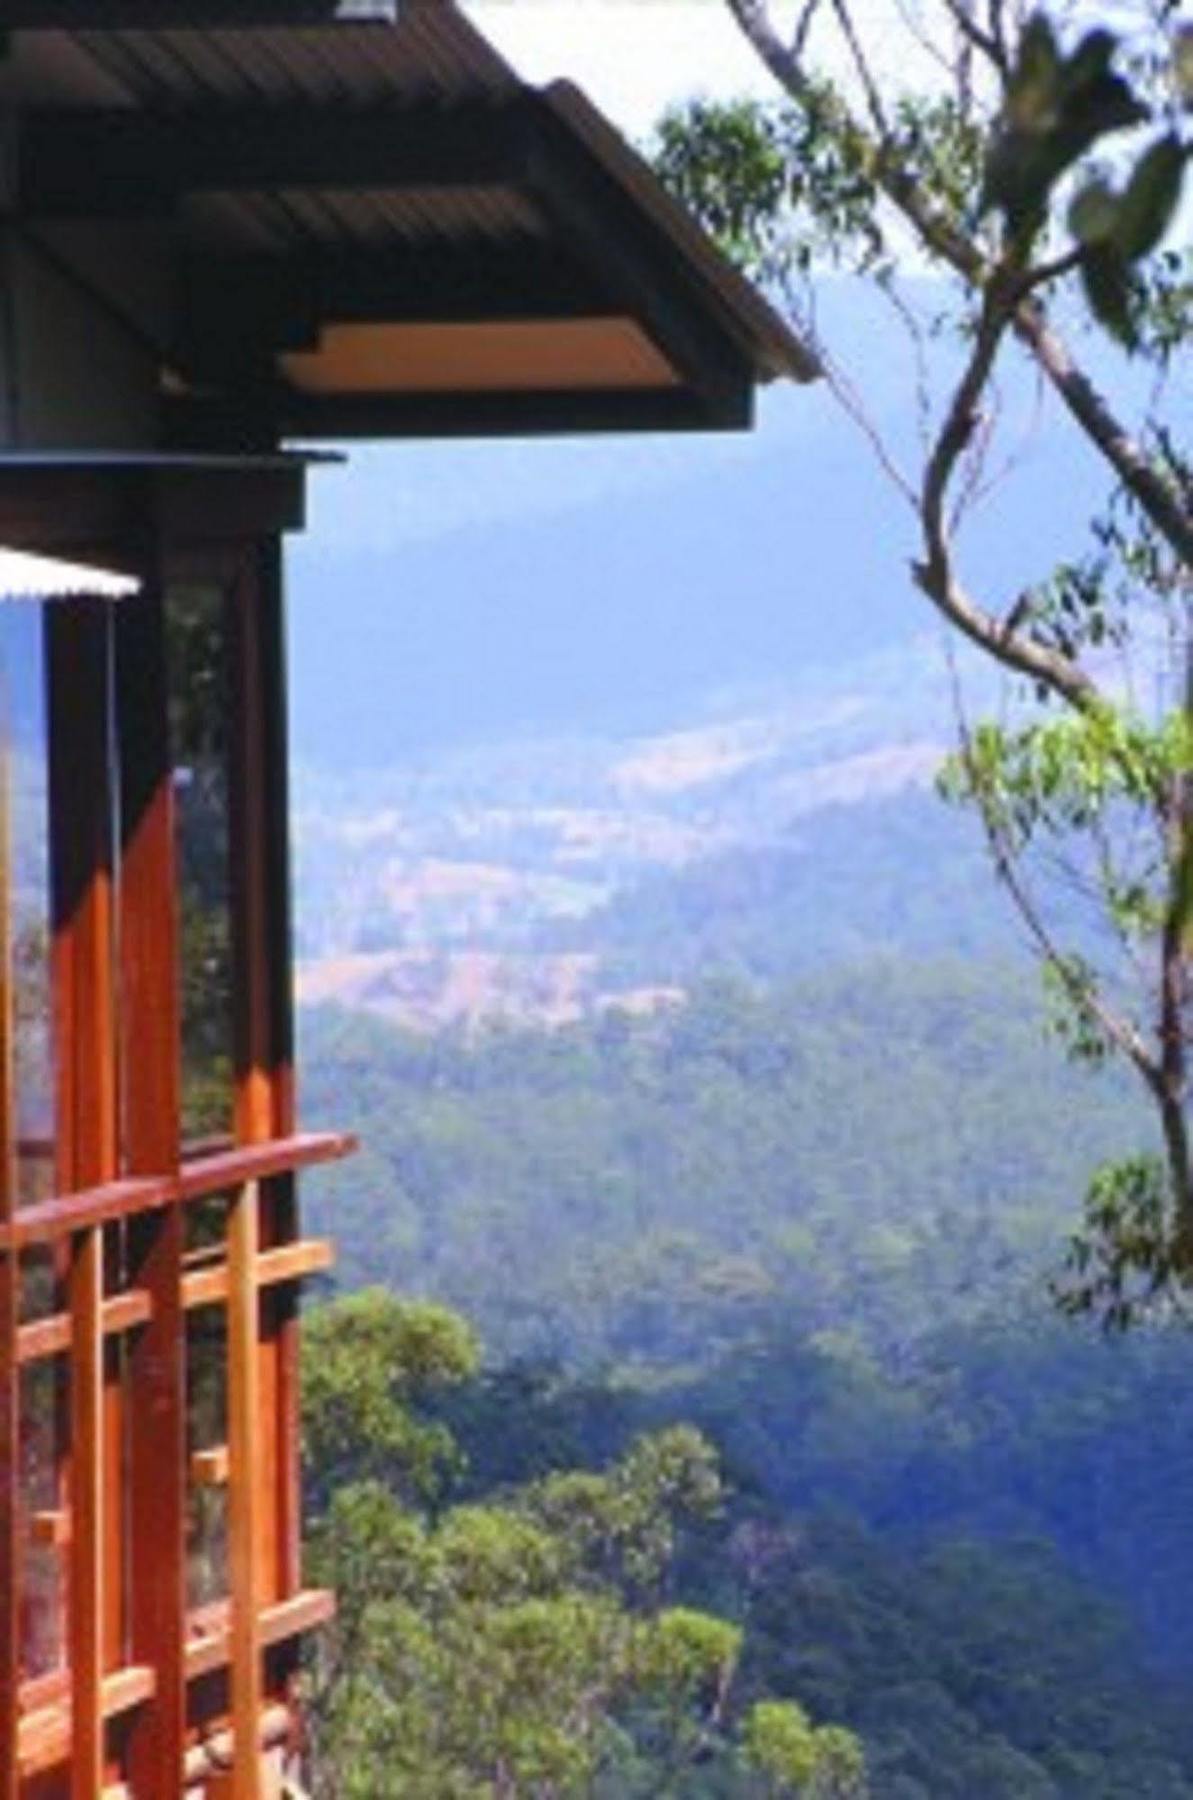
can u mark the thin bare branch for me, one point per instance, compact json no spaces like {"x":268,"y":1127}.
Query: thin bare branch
{"x":865,"y":74}
{"x":1115,"y":1027}
{"x":1045,"y":272}
{"x":941,"y":236}
{"x":998,"y":35}
{"x":1000,"y":638}
{"x":923,"y":38}
{"x":905,"y":313}
{"x":986,"y":41}
{"x":850,"y":402}
{"x":1013,"y":459}
{"x":973,"y":460}
{"x":803,"y":26}
{"x":1160,"y":499}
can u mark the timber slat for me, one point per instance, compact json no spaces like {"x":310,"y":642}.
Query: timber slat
{"x":209,"y":1468}
{"x":287,"y":1619}
{"x":45,"y":1730}
{"x":209,"y":1175}
{"x":44,"y":1736}
{"x":197,"y":1180}
{"x":245,"y":1498}
{"x":51,"y":1336}
{"x":290,"y":1262}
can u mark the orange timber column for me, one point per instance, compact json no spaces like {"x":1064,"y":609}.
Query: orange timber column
{"x":81,"y":886}
{"x":150,"y":1039}
{"x":10,"y":1564}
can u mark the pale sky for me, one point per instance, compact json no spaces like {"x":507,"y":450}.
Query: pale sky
{"x":632,"y":57}
{"x":635,"y":57}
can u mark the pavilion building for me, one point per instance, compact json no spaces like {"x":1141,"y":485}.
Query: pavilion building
{"x":228,"y":228}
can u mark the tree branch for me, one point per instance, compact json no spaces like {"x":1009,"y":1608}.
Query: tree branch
{"x":1000,"y":638}
{"x":1117,"y":1029}
{"x":803,"y":26}
{"x":939,"y":233}
{"x":1160,"y":500}
{"x":864,"y":72}
{"x":988,"y":42}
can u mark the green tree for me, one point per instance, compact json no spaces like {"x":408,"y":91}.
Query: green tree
{"x":793,"y":1758}
{"x":514,"y":1646}
{"x":1037,"y":176}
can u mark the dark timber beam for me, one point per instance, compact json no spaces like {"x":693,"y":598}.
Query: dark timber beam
{"x":457,"y":415}
{"x":56,"y":506}
{"x":113,"y":163}
{"x":231,"y":309}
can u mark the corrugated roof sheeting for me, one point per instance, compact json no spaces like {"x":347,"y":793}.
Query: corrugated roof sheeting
{"x":433,"y":54}
{"x":378,"y":217}
{"x":737,"y":299}
{"x":27,"y":577}
{"x":433,"y":57}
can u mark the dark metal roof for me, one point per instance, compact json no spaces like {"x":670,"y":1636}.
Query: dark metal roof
{"x":742,"y":308}
{"x":433,"y":53}
{"x":367,"y":173}
{"x":40,"y":15}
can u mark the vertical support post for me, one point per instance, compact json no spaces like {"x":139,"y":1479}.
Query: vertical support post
{"x":249,"y":1512}
{"x":245,"y":1492}
{"x":10,"y":1410}
{"x":81,"y":885}
{"x":87,"y":1584}
{"x":281,"y":1217}
{"x":150,"y":1034}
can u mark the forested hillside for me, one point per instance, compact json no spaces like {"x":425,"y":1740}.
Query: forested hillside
{"x":818,"y":1222}
{"x":878,"y":1149}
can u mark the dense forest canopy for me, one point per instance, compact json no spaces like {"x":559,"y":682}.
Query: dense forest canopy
{"x":818,"y":1223}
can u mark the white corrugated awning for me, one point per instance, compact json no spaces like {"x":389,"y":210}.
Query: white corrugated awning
{"x":27,"y":577}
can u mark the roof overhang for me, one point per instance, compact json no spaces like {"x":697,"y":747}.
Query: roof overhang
{"x":103,"y":506}
{"x":24,"y":576}
{"x":124,"y":15}
{"x":370,"y":227}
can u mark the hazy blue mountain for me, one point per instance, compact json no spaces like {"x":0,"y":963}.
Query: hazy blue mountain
{"x":460,"y":594}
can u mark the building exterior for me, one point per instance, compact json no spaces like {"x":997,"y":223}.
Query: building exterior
{"x":226,"y":227}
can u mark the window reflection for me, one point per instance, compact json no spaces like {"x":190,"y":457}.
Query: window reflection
{"x":25,"y":772}
{"x":207,"y":1430}
{"x":25,"y":848}
{"x":44,"y":1400}
{"x":196,"y":625}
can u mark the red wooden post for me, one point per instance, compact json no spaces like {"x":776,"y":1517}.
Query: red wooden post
{"x":150,"y":1009}
{"x":10,"y":1560}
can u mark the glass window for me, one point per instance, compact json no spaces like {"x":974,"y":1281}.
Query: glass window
{"x":207,"y":1430}
{"x":199,"y":726}
{"x":24,"y":769}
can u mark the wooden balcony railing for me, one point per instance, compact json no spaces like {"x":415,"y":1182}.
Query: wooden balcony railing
{"x":227,"y":1640}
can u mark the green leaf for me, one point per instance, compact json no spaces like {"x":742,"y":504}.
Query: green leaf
{"x":1093,"y":215}
{"x":1182,"y":63}
{"x":1108,"y":289}
{"x":1150,"y":198}
{"x":1091,"y":59}
{"x":1035,"y":81}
